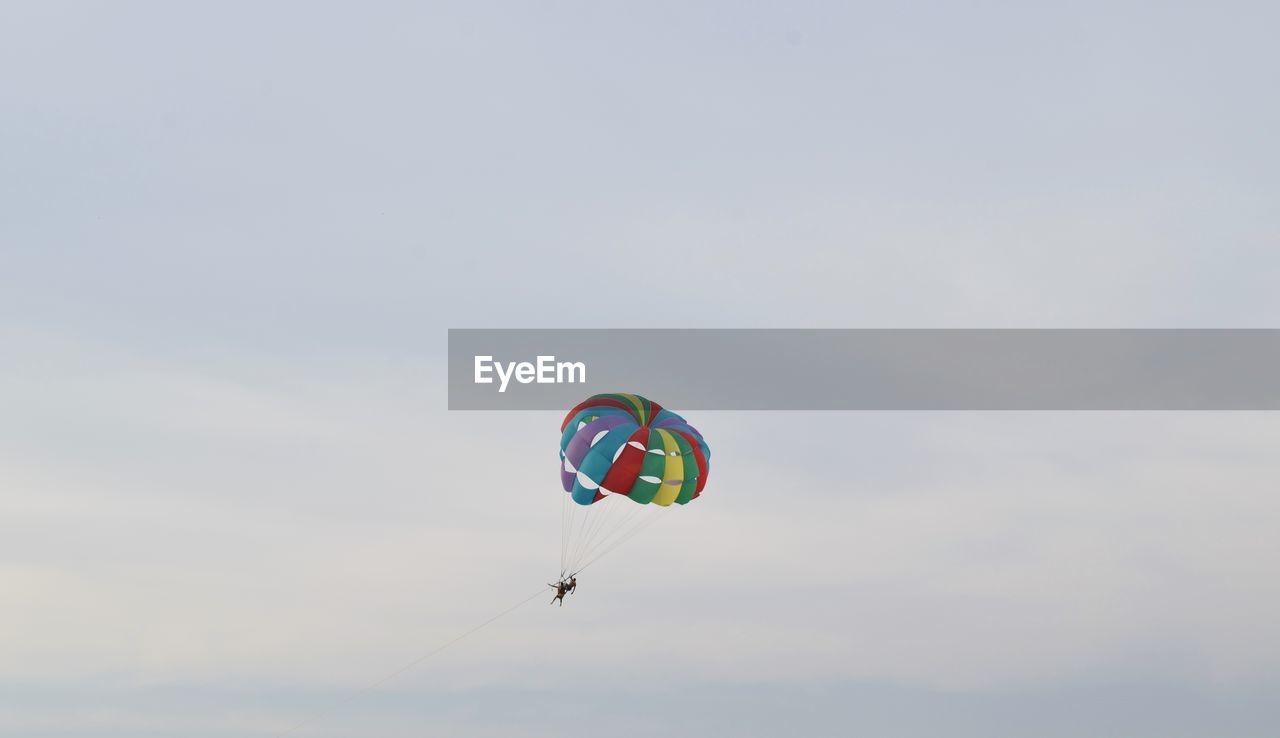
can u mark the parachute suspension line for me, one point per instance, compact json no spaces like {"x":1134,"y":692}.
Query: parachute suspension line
{"x":584,"y":518}
{"x":640,"y":511}
{"x":612,"y":531}
{"x":603,"y":511}
{"x":564,"y":531}
{"x":634,"y":532}
{"x":354,"y":694}
{"x":587,"y":515}
{"x":568,"y":519}
{"x":648,"y":521}
{"x":606,"y":523}
{"x":623,"y":534}
{"x":600,"y":518}
{"x":567,"y":528}
{"x":577,"y":518}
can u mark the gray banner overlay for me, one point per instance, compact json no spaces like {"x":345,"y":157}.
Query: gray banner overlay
{"x":855,"y":369}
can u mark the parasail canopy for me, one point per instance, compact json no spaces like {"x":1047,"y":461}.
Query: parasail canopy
{"x":623,"y":444}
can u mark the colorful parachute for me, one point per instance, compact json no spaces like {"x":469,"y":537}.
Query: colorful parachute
{"x":620,"y":444}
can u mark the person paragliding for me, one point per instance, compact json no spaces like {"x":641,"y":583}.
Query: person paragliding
{"x":572,"y":585}
{"x":561,"y":588}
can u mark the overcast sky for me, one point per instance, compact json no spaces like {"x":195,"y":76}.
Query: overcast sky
{"x":232,"y":238}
